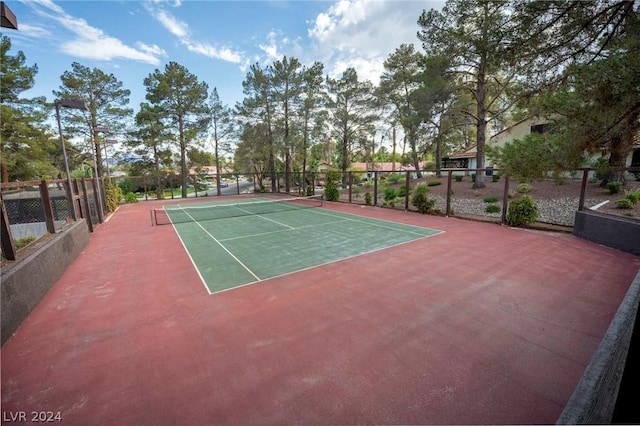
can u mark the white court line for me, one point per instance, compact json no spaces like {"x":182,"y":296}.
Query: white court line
{"x":422,"y":237}
{"x":279,"y":230}
{"x":375,"y":224}
{"x":224,"y":248}
{"x":258,"y":214}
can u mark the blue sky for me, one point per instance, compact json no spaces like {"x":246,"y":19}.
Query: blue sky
{"x":215,"y":40}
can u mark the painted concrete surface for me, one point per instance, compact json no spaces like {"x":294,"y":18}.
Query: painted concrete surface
{"x":480,"y":324}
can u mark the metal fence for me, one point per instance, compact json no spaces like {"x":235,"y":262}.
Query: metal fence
{"x":33,"y":209}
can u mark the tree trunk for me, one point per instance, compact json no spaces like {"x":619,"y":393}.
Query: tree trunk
{"x":183,"y":159}
{"x":481,"y":127}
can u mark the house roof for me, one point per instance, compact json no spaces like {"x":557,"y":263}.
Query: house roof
{"x":210,"y":170}
{"x":469,"y":153}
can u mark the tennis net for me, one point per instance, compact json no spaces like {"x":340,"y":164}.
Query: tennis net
{"x":170,"y":215}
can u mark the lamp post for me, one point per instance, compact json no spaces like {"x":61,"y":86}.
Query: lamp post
{"x":94,"y":148}
{"x":74,"y":104}
{"x":106,"y":156}
{"x":286,"y":168}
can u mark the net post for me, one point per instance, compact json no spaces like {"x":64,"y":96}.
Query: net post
{"x":151,"y":216}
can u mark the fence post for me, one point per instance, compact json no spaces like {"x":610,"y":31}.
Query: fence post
{"x":46,"y":206}
{"x":583,"y":188}
{"x":98,"y":197}
{"x":407,"y":182}
{"x":375,"y":188}
{"x":87,"y":206}
{"x":505,"y":201}
{"x":71,"y":199}
{"x":449,"y":191}
{"x":350,"y":183}
{"x":8,"y":247}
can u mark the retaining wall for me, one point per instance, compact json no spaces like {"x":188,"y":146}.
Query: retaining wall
{"x":612,"y":231}
{"x":25,"y":282}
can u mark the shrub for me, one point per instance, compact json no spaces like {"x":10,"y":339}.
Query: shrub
{"x":434,"y":183}
{"x":614,"y":187}
{"x":495,"y":177}
{"x":310,"y":190}
{"x":130,"y":197}
{"x":402,"y":191}
{"x":490,"y":199}
{"x":522,"y":212}
{"x":389,"y":194}
{"x":420,"y":199}
{"x":473,"y":177}
{"x":625,"y":203}
{"x":394,"y":178}
{"x":113,"y":194}
{"x":632,"y":195}
{"x":493,"y":208}
{"x":601,"y":168}
{"x":331,"y":192}
{"x":458,"y":178}
{"x":367,"y":198}
{"x":524,"y":187}
{"x":23,"y":242}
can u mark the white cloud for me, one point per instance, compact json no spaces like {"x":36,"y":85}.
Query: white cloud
{"x":88,"y":42}
{"x":205,"y":49}
{"x":154,"y":49}
{"x":362,"y":33}
{"x":180,"y":29}
{"x":34,"y":31}
{"x":271,"y":47}
{"x":171,"y":23}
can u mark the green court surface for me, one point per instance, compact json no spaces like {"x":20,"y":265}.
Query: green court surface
{"x":237,"y":251}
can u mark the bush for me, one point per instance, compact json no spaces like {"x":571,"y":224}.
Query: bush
{"x":434,"y":183}
{"x":490,"y":199}
{"x":632,"y":195}
{"x":23,"y":242}
{"x":402,"y":191}
{"x":473,"y":177}
{"x":524,"y":187}
{"x":394,"y":178}
{"x":614,"y":187}
{"x":493,"y":208}
{"x":522,"y":212}
{"x":310,"y":190}
{"x":625,"y":203}
{"x":367,"y":198}
{"x":420,"y":199}
{"x":130,"y":197}
{"x":458,"y":178}
{"x":495,"y":177}
{"x":113,"y":194}
{"x":331,"y":192}
{"x":389,"y":194}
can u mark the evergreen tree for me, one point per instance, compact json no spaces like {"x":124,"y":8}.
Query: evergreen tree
{"x":182,"y":99}
{"x":27,"y":150}
{"x":106,"y":99}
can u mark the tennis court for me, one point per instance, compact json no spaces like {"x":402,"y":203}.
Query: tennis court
{"x":232,"y":244}
{"x":482,"y":324}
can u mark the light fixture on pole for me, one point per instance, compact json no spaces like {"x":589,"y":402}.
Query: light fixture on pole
{"x":74,"y":104}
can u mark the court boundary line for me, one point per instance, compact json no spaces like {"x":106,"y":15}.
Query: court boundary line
{"x":266,"y":218}
{"x":374,"y":224}
{"x":224,"y":248}
{"x":350,"y":217}
{"x":327,"y":263}
{"x":280,"y":230}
